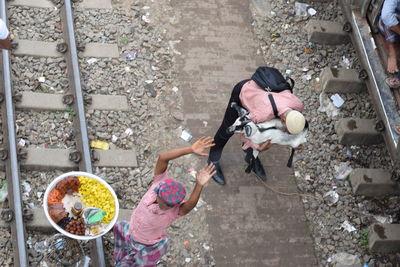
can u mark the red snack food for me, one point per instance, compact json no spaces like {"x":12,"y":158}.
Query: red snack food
{"x":68,"y":183}
{"x":57,"y":212}
{"x":55,"y":197}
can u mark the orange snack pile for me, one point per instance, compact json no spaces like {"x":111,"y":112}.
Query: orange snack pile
{"x":55,"y":197}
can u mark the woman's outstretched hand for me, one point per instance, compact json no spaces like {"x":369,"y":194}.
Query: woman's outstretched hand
{"x":202,"y":144}
{"x":205,"y":174}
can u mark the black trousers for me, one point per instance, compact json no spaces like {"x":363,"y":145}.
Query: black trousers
{"x":231,"y":115}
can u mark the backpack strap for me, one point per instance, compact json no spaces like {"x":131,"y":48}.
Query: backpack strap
{"x":273,"y":104}
{"x":291,"y":83}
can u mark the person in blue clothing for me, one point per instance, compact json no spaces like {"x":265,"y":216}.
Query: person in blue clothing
{"x":389,"y":26}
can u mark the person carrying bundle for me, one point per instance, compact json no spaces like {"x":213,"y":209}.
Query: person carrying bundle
{"x":267,"y":95}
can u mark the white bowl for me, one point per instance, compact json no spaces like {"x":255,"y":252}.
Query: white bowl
{"x":95,"y":177}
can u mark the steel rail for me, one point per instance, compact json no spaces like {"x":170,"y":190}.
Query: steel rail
{"x":12,"y":168}
{"x":97,"y":250}
{"x":381,"y":94}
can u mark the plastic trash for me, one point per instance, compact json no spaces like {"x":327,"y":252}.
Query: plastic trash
{"x":348,"y":227}
{"x":337,"y":100}
{"x":344,"y":259}
{"x":186,"y":136}
{"x":301,"y":9}
{"x":331,"y":197}
{"x":129,"y":131}
{"x":192,"y":172}
{"x":91,"y":60}
{"x":383,"y":219}
{"x":21,"y":142}
{"x":145,"y":18}
{"x":4,"y":191}
{"x":100,"y":145}
{"x":175,"y":89}
{"x":311,"y":11}
{"x":343,"y":170}
{"x":334,"y":185}
{"x":326,"y":106}
{"x":27,"y":188}
{"x":346,"y":62}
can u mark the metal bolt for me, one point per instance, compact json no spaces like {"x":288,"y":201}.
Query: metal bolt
{"x":17,"y":97}
{"x":3,"y":154}
{"x":75,"y":156}
{"x":7,"y":215}
{"x":87,"y":99}
{"x":68,"y":99}
{"x":94,"y":155}
{"x":28,"y":215}
{"x":363,"y":75}
{"x":21,"y":153}
{"x":62,"y":47}
{"x":347,"y":27}
{"x":379,"y":126}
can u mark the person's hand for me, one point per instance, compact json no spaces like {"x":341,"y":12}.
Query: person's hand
{"x":202,"y":144}
{"x":205,"y":174}
{"x":264,"y":146}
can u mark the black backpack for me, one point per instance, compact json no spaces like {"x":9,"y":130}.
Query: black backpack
{"x":270,"y":79}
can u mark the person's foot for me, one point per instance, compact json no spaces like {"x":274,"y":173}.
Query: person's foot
{"x":392,"y":65}
{"x":219,"y":175}
{"x":393,"y":82}
{"x":258,"y":169}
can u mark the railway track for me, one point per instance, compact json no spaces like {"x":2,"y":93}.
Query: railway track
{"x":74,"y":99}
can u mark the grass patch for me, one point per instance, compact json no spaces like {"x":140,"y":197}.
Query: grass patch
{"x":363,"y":238}
{"x":124,"y":40}
{"x":71,"y":111}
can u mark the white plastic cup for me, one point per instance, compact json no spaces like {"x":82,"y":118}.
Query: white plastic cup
{"x":85,"y":174}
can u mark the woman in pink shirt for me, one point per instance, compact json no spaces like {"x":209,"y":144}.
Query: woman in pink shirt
{"x":249,"y":95}
{"x":144,"y":240}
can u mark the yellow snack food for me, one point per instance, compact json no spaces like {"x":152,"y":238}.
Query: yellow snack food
{"x":98,"y":196}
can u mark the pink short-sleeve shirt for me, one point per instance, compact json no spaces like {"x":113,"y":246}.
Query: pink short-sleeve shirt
{"x":149,"y":224}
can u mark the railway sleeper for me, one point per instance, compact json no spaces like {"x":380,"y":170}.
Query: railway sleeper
{"x":43,"y":101}
{"x":326,"y":32}
{"x":103,"y":4}
{"x":39,"y":222}
{"x":373,"y":183}
{"x":384,"y":238}
{"x":355,"y":131}
{"x":50,"y":49}
{"x":341,"y":80}
{"x":43,"y":158}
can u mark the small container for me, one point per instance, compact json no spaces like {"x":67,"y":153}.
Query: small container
{"x":77,"y":209}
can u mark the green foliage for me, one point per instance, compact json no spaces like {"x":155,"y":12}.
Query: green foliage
{"x":71,"y":111}
{"x":363,"y":238}
{"x":45,"y":90}
{"x":124,"y":40}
